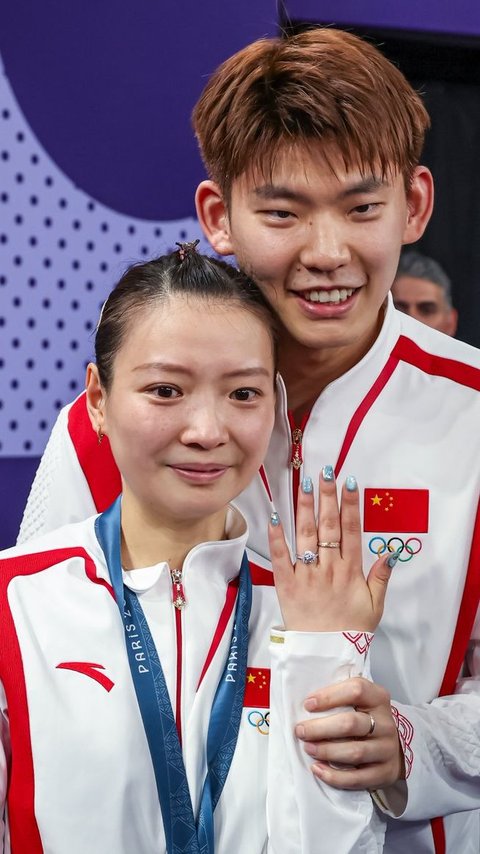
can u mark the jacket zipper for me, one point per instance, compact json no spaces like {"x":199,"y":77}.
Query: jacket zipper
{"x":296,"y":457}
{"x":179,"y":602}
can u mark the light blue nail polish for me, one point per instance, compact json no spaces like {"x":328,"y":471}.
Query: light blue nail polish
{"x":307,"y":485}
{"x":327,"y":473}
{"x":351,"y":483}
{"x":394,"y":557}
{"x":274,"y":519}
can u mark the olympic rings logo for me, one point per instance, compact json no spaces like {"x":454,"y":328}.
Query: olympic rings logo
{"x":259,"y":721}
{"x":378,"y":546}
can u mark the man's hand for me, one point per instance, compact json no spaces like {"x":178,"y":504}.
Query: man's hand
{"x":343,"y":738}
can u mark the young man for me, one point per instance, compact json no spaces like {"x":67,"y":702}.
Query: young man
{"x":423,"y":290}
{"x":312,"y":146}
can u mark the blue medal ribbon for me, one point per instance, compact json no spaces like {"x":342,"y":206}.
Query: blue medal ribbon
{"x":183,"y":835}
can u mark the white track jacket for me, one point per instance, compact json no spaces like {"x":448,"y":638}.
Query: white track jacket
{"x":74,"y":758}
{"x":406,"y":422}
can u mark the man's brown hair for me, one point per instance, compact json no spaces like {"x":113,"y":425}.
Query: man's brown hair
{"x":323,"y":85}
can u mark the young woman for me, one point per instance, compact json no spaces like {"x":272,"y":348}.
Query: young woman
{"x":139,"y":657}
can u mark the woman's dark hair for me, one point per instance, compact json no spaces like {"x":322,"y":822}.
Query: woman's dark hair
{"x":182,"y":273}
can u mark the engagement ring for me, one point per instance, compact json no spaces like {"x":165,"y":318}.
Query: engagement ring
{"x":308,"y":557}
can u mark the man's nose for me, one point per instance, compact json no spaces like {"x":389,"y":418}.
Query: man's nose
{"x":325,"y":247}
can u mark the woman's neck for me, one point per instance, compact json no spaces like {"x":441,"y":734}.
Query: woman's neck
{"x":148,"y":540}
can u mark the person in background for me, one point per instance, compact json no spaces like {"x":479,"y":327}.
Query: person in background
{"x":312,"y":145}
{"x":423,"y":290}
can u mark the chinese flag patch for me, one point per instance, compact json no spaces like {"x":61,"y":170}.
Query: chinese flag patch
{"x":257,"y":688}
{"x":396,"y":510}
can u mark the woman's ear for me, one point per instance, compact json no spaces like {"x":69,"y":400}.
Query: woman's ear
{"x":213,"y":217}
{"x":419,"y":204}
{"x":95,"y":396}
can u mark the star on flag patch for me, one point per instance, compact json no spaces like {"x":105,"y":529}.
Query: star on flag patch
{"x":399,"y":510}
{"x":257,"y":688}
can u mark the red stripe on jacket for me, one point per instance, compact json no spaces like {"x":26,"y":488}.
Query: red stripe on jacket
{"x":24,"y":832}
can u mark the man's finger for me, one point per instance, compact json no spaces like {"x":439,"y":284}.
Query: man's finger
{"x":356,"y":691}
{"x":369,"y":777}
{"x":340,"y":726}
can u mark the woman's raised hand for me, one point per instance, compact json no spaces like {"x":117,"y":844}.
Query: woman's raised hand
{"x":326,"y":590}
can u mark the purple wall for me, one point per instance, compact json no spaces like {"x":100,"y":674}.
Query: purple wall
{"x":108,"y":89}
{"x":461,"y":17}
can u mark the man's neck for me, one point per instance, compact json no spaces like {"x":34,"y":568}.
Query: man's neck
{"x":307,"y":372}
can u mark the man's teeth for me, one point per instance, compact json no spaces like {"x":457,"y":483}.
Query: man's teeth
{"x":335,"y":296}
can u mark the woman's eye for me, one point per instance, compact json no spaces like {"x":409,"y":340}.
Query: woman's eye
{"x":165,"y":391}
{"x":244,"y":394}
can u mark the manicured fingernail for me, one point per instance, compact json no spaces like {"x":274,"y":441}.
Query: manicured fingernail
{"x":274,"y":519}
{"x":394,"y":557}
{"x":327,"y":473}
{"x":300,"y":731}
{"x":307,"y":485}
{"x":310,"y":704}
{"x":351,"y":483}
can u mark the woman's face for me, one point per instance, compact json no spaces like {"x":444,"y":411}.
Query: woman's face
{"x":191,"y":406}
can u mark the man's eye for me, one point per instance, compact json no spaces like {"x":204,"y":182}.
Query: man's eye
{"x":165,"y":391}
{"x":426,"y":309}
{"x":279,"y":214}
{"x":368,"y":207}
{"x":244,"y":394}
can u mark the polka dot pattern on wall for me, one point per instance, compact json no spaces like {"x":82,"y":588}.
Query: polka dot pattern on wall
{"x":60,"y":254}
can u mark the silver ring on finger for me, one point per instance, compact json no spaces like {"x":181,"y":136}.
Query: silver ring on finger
{"x":372,"y":726}
{"x":308,"y":557}
{"x":329,"y":545}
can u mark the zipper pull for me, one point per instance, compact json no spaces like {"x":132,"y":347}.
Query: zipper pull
{"x":296,"y":459}
{"x":179,"y":600}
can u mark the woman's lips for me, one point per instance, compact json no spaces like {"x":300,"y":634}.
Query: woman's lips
{"x":195,"y":473}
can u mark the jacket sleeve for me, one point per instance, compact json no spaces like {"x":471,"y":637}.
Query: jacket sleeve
{"x":303,"y":813}
{"x":441,"y":744}
{"x":4,"y":764}
{"x":60,"y":493}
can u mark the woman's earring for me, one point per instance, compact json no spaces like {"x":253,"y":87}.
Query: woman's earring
{"x":99,"y":436}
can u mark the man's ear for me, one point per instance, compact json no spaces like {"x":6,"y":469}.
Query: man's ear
{"x":213,"y":217}
{"x":419,"y":204}
{"x":95,"y":399}
{"x":452,"y":321}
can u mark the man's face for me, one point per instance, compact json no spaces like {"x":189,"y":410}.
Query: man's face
{"x":425,"y":301}
{"x":323,"y":244}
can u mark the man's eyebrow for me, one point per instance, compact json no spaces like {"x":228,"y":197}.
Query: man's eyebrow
{"x":271,"y":192}
{"x":365,"y":185}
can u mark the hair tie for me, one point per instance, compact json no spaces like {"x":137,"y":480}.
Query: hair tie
{"x":187,"y":249}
